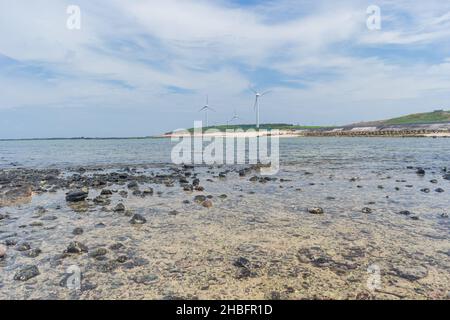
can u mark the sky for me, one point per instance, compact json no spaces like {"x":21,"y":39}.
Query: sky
{"x":139,"y":68}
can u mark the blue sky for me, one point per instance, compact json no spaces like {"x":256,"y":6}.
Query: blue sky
{"x":141,"y":67}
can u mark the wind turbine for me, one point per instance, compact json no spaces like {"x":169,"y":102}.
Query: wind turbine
{"x":256,"y":106}
{"x":235,"y":117}
{"x":206,"y":108}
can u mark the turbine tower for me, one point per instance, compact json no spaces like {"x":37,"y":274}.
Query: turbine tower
{"x":206,"y":108}
{"x":256,"y":106}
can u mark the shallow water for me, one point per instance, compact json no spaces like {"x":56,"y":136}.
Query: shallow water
{"x":289,"y":253}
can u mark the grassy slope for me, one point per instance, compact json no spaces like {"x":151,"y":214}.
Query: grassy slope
{"x":428,"y":117}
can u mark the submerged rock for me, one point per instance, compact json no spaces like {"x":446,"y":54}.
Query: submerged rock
{"x":33,"y":253}
{"x":76,"y":247}
{"x":411,"y":273}
{"x":76,"y":196}
{"x":26,"y":273}
{"x":315,"y":210}
{"x":420,"y":171}
{"x":106,"y":192}
{"x":366,"y":210}
{"x":207,"y":204}
{"x":77,"y":231}
{"x":199,"y":198}
{"x":138,"y":219}
{"x":119,"y":208}
{"x":23,"y":246}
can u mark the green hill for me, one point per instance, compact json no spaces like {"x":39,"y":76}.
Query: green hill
{"x":428,"y":117}
{"x":437,"y":116}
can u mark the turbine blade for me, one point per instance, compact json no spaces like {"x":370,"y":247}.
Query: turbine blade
{"x":253,"y":90}
{"x":266,"y":93}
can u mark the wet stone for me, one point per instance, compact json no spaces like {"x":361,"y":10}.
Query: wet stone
{"x":23,"y":246}
{"x":411,"y":273}
{"x":119,"y":207}
{"x":199,"y":198}
{"x":207,"y":204}
{"x":76,"y":247}
{"x":33,"y":253}
{"x":77,"y":231}
{"x":26,"y":273}
{"x":116,"y":246}
{"x":106,"y":192}
{"x":76,"y":196}
{"x":366,"y":210}
{"x":146,"y":279}
{"x":98,"y":252}
{"x":138,"y":219}
{"x":315,"y":210}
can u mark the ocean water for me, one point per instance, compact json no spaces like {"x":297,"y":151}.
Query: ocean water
{"x":332,"y":152}
{"x":187,"y":250}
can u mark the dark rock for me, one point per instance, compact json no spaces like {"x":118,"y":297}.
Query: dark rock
{"x":107,"y":267}
{"x":33,"y":253}
{"x":76,"y":247}
{"x":76,"y":196}
{"x":223,"y":196}
{"x":148,"y":192}
{"x":77,"y":231}
{"x":434,"y":181}
{"x":23,"y":246}
{"x":26,"y":273}
{"x":102,"y":200}
{"x":10,"y":242}
{"x":199,"y":198}
{"x":446,"y":176}
{"x":106,"y":192}
{"x":119,"y":208}
{"x":241,"y":262}
{"x":411,"y":273}
{"x":439,"y":190}
{"x":138,"y":219}
{"x":122,"y":259}
{"x":133,"y":185}
{"x":146,"y":279}
{"x":420,"y":171}
{"x":173,"y":212}
{"x":98,"y":252}
{"x":49,"y":218}
{"x":444,"y":215}
{"x":405,"y":213}
{"x":366,"y":210}
{"x":315,"y":210}
{"x":116,"y":246}
{"x":425,"y":190}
